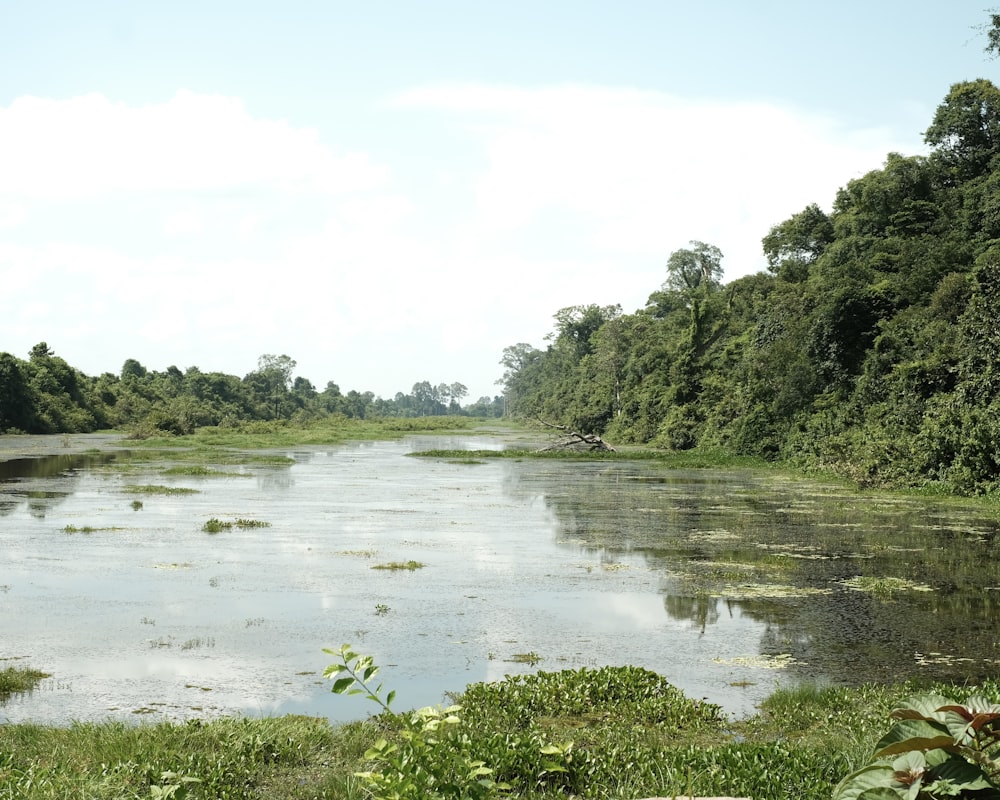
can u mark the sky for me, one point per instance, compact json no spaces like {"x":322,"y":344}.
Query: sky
{"x":393,"y":192}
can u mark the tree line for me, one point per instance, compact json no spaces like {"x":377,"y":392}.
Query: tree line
{"x":44,"y":394}
{"x":871,"y":345}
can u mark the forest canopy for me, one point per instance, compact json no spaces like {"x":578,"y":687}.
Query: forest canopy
{"x":871,"y":346}
{"x":46,"y":395}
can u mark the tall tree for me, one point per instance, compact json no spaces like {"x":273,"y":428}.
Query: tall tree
{"x":697,"y":267}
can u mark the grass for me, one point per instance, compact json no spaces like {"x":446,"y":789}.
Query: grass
{"x":400,"y":565}
{"x":16,"y":680}
{"x":276,"y":434}
{"x":88,"y":529}
{"x":201,"y":471}
{"x":633,"y":735}
{"x":157,"y":489}
{"x":686,"y":459}
{"x":215,"y":525}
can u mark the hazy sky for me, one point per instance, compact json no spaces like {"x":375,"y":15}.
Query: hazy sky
{"x":391,"y":192}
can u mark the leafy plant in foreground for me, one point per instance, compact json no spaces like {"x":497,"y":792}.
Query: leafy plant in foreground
{"x":430,"y":759}
{"x":938,"y":748}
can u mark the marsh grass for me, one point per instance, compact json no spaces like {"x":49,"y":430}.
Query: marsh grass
{"x":687,"y":459}
{"x":15,"y":680}
{"x":287,"y":757}
{"x":394,"y":566}
{"x":153,"y":488}
{"x":633,"y":735}
{"x":215,"y":525}
{"x":884,"y":587}
{"x":89,"y":529}
{"x":277,"y":434}
{"x":201,"y":471}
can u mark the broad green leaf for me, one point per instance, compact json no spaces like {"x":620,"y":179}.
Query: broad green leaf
{"x":921,"y":706}
{"x":881,"y":793}
{"x":870,"y":778}
{"x":913,"y":734}
{"x":958,"y":770}
{"x":341,"y":685}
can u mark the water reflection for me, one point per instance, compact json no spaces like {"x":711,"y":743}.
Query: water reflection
{"x":852,"y":587}
{"x":712,"y":579}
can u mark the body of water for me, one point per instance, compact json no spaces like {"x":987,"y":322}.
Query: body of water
{"x":727,"y":583}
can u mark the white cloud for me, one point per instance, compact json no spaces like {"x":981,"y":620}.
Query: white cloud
{"x":89,"y":146}
{"x":11,"y":215}
{"x":646,"y":171}
{"x":561,"y":196}
{"x":182,"y":223}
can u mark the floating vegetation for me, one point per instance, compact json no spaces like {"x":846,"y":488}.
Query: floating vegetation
{"x":884,"y":587}
{"x":381,"y":609}
{"x":781,"y":661}
{"x":531,"y":658}
{"x":246,"y":524}
{"x":136,"y":505}
{"x":173,"y":565}
{"x":767,"y":591}
{"x":201,"y":471}
{"x":358,"y":553}
{"x":194,"y":644}
{"x":400,"y":565}
{"x":215,"y":525}
{"x":944,"y":659}
{"x":88,"y":529}
{"x":153,"y":488}
{"x":713,"y":536}
{"x":17,"y":680}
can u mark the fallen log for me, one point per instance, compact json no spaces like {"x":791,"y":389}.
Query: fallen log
{"x":571,"y":438}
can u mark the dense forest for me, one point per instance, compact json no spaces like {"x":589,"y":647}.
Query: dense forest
{"x":871,"y":346}
{"x":46,"y":395}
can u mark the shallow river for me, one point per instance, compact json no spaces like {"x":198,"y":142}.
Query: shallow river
{"x":727,"y":583}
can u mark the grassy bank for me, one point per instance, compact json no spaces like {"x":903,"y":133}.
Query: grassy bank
{"x":610,"y":733}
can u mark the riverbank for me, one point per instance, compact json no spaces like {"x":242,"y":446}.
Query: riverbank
{"x":640,"y":744}
{"x":37,"y":446}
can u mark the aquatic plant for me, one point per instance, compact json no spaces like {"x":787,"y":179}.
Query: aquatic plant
{"x":215,"y":525}
{"x":400,"y":565}
{"x":157,"y":489}
{"x":531,"y":658}
{"x":14,"y":680}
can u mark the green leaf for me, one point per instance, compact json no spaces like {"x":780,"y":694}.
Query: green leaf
{"x":870,"y":778}
{"x":913,"y":734}
{"x":922,"y":706}
{"x":958,"y":770}
{"x":881,"y":793}
{"x":341,"y":685}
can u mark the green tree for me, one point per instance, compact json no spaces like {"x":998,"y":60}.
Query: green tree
{"x":271,"y":382}
{"x":794,"y":245}
{"x":965,"y":133}
{"x":694,"y":268}
{"x":17,"y":402}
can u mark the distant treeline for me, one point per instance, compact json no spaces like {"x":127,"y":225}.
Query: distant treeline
{"x":870,"y":346}
{"x":46,"y":395}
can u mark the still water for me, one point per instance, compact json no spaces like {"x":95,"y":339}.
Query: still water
{"x":727,"y":583}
